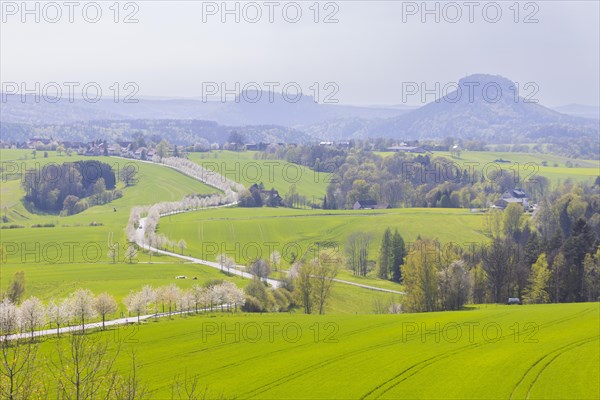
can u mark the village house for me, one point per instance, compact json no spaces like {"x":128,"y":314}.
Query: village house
{"x":369,"y":205}
{"x":406,"y":149}
{"x":513,"y":196}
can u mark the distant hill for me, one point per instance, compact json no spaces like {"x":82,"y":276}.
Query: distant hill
{"x":270,"y":109}
{"x":176,"y":131}
{"x":495,"y":116}
{"x":491,"y":117}
{"x":580,"y":110}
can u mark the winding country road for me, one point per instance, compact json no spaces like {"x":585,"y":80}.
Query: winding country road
{"x":141,"y":234}
{"x":140,"y":241}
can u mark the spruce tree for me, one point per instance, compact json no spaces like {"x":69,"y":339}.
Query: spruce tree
{"x":385,"y":255}
{"x":398,"y":254}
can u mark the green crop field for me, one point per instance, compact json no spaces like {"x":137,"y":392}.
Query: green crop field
{"x":243,"y":168}
{"x":482,"y":352}
{"x":488,"y":352}
{"x":154,"y":184}
{"x":248,"y":233}
{"x":532,"y":164}
{"x":551,"y":166}
{"x":49,"y":282}
{"x":57,"y":260}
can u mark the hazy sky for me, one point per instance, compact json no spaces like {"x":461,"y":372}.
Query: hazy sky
{"x":373,"y":49}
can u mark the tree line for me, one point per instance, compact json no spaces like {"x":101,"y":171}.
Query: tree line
{"x":70,"y":187}
{"x":553,"y":256}
{"x":404,"y":180}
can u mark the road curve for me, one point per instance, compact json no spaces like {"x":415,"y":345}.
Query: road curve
{"x":140,"y":241}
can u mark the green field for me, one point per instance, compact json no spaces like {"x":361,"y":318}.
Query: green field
{"x":530,"y":164}
{"x":248,"y":233}
{"x":242,"y":167}
{"x":73,"y":254}
{"x":492,"y":352}
{"x":155,"y":183}
{"x":556,"y":169}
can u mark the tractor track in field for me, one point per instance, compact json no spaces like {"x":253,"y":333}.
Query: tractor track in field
{"x":262,"y":355}
{"x":313,"y":367}
{"x":559,"y":351}
{"x":554,"y":358}
{"x":393,"y":382}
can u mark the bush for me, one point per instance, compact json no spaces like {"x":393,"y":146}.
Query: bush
{"x":281,"y":300}
{"x":80,"y":206}
{"x":213,"y":282}
{"x":252,"y":305}
{"x":12,"y":226}
{"x":264,"y":295}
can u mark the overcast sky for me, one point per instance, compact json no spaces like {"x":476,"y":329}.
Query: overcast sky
{"x":369,"y":53}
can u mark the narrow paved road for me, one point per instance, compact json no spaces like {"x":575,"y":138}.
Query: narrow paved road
{"x":95,"y":325}
{"x":140,"y":241}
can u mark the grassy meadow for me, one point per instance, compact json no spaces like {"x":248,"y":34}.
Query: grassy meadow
{"x":553,"y":167}
{"x":486,"y":352}
{"x":242,"y":167}
{"x":248,"y":233}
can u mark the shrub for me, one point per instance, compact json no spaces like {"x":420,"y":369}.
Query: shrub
{"x":12,"y":226}
{"x":252,"y":305}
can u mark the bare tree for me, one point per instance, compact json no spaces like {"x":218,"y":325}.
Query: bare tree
{"x":325,"y":271}
{"x":17,"y":357}
{"x":497,"y":263}
{"x":305,"y":290}
{"x":357,"y":252}
{"x":104,"y":304}
{"x":18,"y":363}
{"x":130,"y":253}
{"x":221,"y":259}
{"x":275,"y":259}
{"x":187,"y":388}
{"x":129,"y":387}
{"x":260,"y":268}
{"x":182,"y":245}
{"x":84,"y":369}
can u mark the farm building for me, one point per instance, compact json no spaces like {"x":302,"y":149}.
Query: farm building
{"x":513,"y":196}
{"x":369,"y":205}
